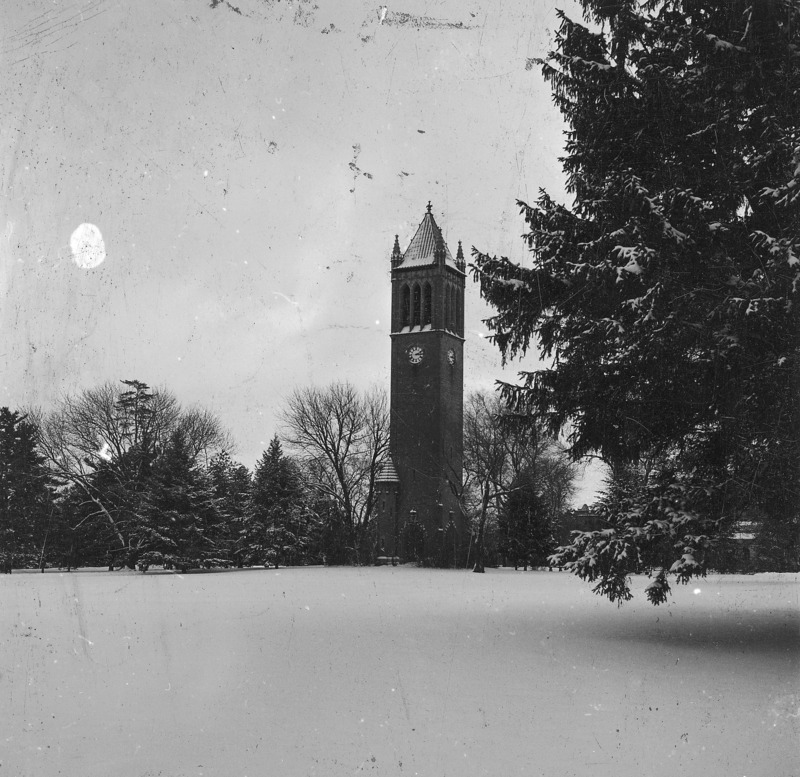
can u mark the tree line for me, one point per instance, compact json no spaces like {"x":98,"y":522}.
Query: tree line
{"x":122,"y":475}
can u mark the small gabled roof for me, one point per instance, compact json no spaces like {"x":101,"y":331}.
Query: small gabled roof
{"x":421,"y":250}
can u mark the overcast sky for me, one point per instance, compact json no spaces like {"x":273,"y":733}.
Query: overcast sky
{"x":247,"y":165}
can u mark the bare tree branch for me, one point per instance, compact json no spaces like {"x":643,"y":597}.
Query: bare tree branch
{"x":342,"y":436}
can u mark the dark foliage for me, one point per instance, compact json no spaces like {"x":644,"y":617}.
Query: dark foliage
{"x":524,"y":527}
{"x":277,"y":529}
{"x":25,"y":492}
{"x":665,"y":295}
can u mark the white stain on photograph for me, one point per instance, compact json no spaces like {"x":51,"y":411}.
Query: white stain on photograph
{"x":87,"y":246}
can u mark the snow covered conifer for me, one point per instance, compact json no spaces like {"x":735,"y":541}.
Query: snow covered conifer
{"x":277,"y":528}
{"x":25,"y":495}
{"x":180,"y":513}
{"x":666,"y":293}
{"x":230,"y":483}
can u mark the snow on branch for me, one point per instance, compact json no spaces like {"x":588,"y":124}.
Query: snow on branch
{"x":723,"y":45}
{"x":588,"y":63}
{"x":514,"y":283}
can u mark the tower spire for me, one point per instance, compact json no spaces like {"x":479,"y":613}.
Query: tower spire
{"x":427,"y":247}
{"x":460,"y":263}
{"x":397,"y":257}
{"x":439,"y":253}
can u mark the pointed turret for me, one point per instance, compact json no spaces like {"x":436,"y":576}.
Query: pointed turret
{"x":397,"y":256}
{"x":460,"y":263}
{"x":387,"y":473}
{"x":439,"y":250}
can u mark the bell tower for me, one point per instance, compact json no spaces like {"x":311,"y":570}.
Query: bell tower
{"x":419,"y":515}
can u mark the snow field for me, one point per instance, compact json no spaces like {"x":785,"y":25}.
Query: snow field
{"x":394,"y":671}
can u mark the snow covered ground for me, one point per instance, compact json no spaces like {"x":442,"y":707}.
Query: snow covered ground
{"x":394,"y":671}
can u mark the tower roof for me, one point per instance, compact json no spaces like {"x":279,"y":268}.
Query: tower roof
{"x":387,"y":473}
{"x":422,"y":248}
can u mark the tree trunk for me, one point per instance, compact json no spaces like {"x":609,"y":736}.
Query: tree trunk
{"x":479,"y":567}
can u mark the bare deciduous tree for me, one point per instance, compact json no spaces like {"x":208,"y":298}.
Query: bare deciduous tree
{"x":502,"y":449}
{"x":100,"y":441}
{"x":342,"y":436}
{"x":204,"y":433}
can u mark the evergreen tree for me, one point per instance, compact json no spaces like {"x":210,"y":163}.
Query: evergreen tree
{"x":278,"y":529}
{"x":136,"y":413}
{"x":328,"y":534}
{"x":102,"y":444}
{"x":231,"y":486}
{"x":179,"y":514}
{"x":525,"y":530}
{"x":666,"y":295}
{"x":76,"y":537}
{"x":26,"y":500}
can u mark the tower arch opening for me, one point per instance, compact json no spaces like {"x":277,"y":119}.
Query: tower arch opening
{"x":405,"y":306}
{"x":451,"y":306}
{"x":427,"y":305}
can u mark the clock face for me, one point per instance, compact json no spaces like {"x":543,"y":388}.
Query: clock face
{"x":451,"y":356}
{"x":415,"y":354}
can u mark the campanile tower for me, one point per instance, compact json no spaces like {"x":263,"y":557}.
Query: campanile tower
{"x":419,"y":516}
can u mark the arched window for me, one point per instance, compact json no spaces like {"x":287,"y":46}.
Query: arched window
{"x":426,"y":310}
{"x":417,"y":309}
{"x":446,"y":306}
{"x":451,"y":307}
{"x":405,"y":306}
{"x":457,"y":325}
